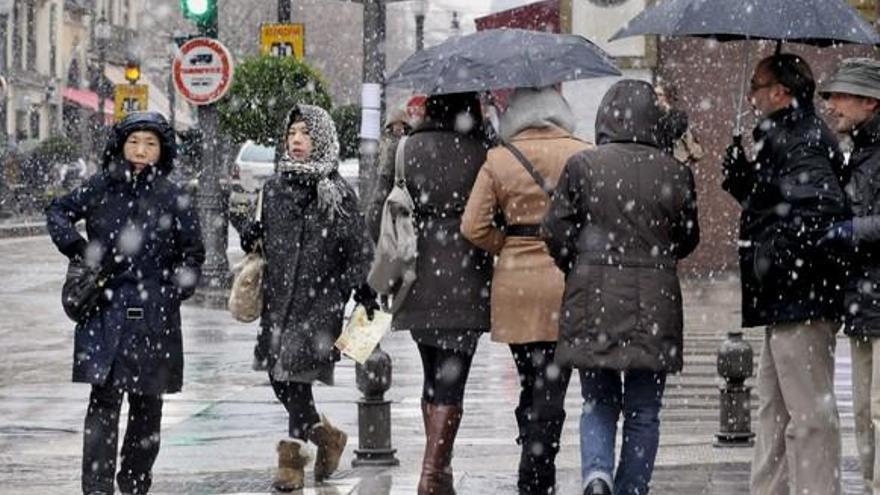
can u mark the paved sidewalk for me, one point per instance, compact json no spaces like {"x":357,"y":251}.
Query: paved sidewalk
{"x":219,"y":434}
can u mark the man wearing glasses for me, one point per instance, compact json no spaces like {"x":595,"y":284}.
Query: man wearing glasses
{"x":790,"y":195}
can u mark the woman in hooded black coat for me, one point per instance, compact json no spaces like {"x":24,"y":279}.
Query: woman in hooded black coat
{"x":143,"y":236}
{"x":314,"y":243}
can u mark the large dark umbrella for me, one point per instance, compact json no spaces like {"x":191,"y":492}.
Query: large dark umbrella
{"x":502,"y":58}
{"x":813,"y":22}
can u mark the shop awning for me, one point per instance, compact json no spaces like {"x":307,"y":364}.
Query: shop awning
{"x":87,"y":99}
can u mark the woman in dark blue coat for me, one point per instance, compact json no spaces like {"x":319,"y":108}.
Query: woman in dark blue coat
{"x":143,"y":235}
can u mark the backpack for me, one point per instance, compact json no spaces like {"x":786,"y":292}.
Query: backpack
{"x":393,"y":271}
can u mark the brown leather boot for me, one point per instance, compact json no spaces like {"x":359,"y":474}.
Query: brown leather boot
{"x":442,"y":423}
{"x":292,"y":460}
{"x":331,"y":442}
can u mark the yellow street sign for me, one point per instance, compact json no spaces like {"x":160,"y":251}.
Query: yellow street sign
{"x":283,"y":40}
{"x":129,"y":98}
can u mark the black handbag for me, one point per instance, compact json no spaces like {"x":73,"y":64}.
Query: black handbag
{"x":82,"y":290}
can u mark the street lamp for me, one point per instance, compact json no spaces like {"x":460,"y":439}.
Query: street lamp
{"x":102,"y":36}
{"x":420,"y":8}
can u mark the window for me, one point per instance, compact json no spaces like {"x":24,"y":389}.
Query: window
{"x":31,"y":48}
{"x":35,"y":122}
{"x":20,"y":125}
{"x":17,"y":61}
{"x":125,"y":8}
{"x":53,"y":39}
{"x":4,"y":30}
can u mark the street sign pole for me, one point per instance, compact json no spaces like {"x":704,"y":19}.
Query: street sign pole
{"x":213,"y":205}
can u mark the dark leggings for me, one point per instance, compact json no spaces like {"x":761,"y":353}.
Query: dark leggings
{"x":542,"y":383}
{"x":446,"y":374}
{"x":300,"y":404}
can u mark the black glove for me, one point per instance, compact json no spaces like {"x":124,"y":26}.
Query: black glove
{"x":840,"y":234}
{"x":76,"y":251}
{"x":735,"y":162}
{"x":251,"y":235}
{"x":366,"y":297}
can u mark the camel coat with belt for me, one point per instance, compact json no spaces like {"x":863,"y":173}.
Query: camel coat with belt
{"x":527,"y":286}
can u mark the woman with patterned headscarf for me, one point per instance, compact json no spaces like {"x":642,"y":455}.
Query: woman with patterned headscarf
{"x":314,"y":243}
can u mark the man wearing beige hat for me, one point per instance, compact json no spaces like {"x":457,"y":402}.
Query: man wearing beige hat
{"x":853,"y":99}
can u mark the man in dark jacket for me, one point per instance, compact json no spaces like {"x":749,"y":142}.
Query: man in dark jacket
{"x":853,"y":98}
{"x":143,"y":234}
{"x":790,"y":195}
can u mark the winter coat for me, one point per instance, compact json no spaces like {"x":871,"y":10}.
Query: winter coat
{"x":312,"y":262}
{"x":862,"y":300}
{"x":621,"y":218}
{"x":146,"y":231}
{"x":526,"y":284}
{"x":451,"y":290}
{"x":790,"y":196}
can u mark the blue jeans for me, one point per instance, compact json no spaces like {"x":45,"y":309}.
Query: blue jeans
{"x":639,"y":398}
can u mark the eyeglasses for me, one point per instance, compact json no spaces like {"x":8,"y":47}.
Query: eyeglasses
{"x":755,"y":86}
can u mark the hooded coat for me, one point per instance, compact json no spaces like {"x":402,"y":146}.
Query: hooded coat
{"x":790,"y":196}
{"x":314,"y":257}
{"x":144,"y":230}
{"x":451,"y":290}
{"x":863,"y":284}
{"x":622,"y":216}
{"x":526,"y":284}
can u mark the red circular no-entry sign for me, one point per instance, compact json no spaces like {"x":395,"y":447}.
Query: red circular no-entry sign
{"x":202,"y":71}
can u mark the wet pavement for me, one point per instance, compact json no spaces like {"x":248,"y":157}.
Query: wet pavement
{"x":218,"y":434}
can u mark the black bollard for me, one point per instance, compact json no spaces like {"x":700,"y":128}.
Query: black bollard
{"x":374,"y":412}
{"x":735,"y":364}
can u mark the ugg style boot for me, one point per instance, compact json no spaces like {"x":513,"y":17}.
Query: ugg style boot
{"x":442,"y":423}
{"x":292,"y":459}
{"x":331,"y":442}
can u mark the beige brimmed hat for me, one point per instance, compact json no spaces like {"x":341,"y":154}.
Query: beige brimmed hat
{"x":855,"y":76}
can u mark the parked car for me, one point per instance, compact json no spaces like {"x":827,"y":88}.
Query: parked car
{"x":253,"y":165}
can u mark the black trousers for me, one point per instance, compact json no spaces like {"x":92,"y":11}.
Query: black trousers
{"x":100,"y":440}
{"x":540,"y":414}
{"x":300,"y":404}
{"x":446,"y":373}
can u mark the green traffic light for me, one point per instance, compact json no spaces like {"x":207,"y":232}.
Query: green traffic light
{"x":197,"y":7}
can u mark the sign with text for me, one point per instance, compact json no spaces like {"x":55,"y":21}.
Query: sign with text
{"x":283,"y":40}
{"x":128,"y":98}
{"x":202,"y":71}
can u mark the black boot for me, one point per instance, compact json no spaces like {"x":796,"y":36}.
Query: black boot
{"x":597,"y":487}
{"x":537,"y":465}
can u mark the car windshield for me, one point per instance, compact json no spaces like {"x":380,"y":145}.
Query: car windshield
{"x":257,"y":153}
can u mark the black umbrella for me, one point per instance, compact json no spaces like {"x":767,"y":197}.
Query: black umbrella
{"x":502,"y":58}
{"x":813,"y":22}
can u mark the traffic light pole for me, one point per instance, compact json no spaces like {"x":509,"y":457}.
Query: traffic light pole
{"x":284,"y":11}
{"x":213,"y":205}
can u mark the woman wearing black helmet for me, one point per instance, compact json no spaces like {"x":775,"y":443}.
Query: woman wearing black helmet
{"x":144,"y":241}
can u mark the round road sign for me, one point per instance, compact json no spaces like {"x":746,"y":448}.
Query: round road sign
{"x":202,"y":71}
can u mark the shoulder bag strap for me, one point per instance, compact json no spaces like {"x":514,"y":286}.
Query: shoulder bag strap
{"x":258,"y":217}
{"x":539,"y":179}
{"x":399,"y":162}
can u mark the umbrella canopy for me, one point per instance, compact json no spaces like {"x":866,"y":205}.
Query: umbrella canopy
{"x":502,"y":58}
{"x":814,"y":22}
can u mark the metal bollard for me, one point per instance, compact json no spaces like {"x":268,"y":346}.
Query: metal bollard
{"x":735,"y":364}
{"x":374,"y":412}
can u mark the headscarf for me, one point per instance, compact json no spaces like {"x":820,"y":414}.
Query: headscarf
{"x":323,"y":162}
